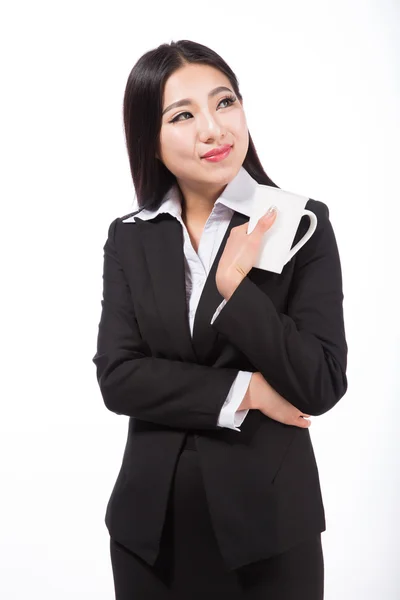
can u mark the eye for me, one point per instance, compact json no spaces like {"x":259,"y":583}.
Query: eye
{"x":230,"y":99}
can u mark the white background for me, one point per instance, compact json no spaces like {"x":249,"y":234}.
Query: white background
{"x":321,"y":87}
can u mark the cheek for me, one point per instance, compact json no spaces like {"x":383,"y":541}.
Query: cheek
{"x":176,"y":153}
{"x":240,"y":126}
{"x":242,"y":133}
{"x":175,"y":143}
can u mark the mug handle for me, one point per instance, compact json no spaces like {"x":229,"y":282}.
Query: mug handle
{"x":307,"y":235}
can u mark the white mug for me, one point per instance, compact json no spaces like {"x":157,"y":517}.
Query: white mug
{"x":275,"y":247}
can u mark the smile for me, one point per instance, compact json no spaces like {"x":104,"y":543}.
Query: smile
{"x":218,"y":157}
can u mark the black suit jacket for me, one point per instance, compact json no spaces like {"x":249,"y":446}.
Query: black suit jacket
{"x":262,"y":484}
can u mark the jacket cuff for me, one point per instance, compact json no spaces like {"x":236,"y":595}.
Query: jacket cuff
{"x":229,"y":415}
{"x":219,"y":308}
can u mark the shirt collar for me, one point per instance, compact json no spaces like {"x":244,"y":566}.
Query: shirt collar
{"x":237,"y":195}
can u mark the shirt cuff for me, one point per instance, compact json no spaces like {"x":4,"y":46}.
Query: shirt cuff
{"x":219,"y":308}
{"x":229,"y":416}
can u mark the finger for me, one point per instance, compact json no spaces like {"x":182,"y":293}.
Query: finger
{"x":270,"y":216}
{"x":239,"y":228}
{"x":265,"y":222}
{"x":303,"y":417}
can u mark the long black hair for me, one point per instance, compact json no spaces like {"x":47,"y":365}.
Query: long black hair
{"x":142,"y":114}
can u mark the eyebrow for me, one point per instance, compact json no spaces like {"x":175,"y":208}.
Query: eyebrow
{"x":185,"y":101}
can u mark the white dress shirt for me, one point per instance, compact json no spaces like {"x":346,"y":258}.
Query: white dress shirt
{"x":236,"y":196}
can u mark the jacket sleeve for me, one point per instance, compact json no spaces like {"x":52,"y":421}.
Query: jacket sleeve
{"x":302,"y":354}
{"x":132,"y":382}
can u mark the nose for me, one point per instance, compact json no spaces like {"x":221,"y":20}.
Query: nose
{"x":208,"y":127}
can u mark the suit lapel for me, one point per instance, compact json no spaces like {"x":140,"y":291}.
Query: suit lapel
{"x":162,"y":240}
{"x":204,"y":335}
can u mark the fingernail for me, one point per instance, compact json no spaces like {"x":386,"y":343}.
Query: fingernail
{"x":271,"y":211}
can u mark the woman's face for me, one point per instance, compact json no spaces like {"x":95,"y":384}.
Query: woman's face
{"x":192,"y":129}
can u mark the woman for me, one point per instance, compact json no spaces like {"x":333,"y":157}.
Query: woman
{"x":218,"y":364}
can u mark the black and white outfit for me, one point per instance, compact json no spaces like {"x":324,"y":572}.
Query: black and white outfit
{"x":213,"y":502}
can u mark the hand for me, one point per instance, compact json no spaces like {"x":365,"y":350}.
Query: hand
{"x":273,"y":405}
{"x":240,"y":253}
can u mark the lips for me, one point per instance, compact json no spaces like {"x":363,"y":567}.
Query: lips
{"x":216,"y":151}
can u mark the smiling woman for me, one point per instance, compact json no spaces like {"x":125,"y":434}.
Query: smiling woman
{"x":201,"y":508}
{"x":181,"y":101}
{"x":211,"y":131}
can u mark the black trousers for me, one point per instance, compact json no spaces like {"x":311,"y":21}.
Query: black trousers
{"x":190,"y":566}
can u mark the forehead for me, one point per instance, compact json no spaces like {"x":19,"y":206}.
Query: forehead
{"x":192,"y":80}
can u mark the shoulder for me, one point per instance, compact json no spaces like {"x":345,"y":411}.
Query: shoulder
{"x":323,"y":240}
{"x":129,"y":216}
{"x":320,"y":209}
{"x":115,"y":226}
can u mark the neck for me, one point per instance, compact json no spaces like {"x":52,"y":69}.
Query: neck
{"x":197,"y":203}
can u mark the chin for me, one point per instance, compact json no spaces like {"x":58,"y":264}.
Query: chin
{"x":223,"y":176}
{"x":225,"y":173}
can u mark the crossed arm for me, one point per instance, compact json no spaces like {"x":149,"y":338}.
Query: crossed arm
{"x":302,"y":354}
{"x":134,"y":383}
